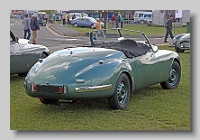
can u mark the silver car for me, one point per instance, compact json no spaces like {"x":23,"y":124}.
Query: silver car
{"x":24,"y":55}
{"x":181,"y":42}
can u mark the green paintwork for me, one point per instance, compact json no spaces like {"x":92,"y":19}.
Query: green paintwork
{"x":97,"y":67}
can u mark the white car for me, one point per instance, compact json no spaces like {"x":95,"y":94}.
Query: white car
{"x":23,"y":55}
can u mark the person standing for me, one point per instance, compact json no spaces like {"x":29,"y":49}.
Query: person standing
{"x":121,"y":21}
{"x":74,"y":16}
{"x":26,"y":23}
{"x":117,"y":21}
{"x":63,"y":19}
{"x":169,"y":28}
{"x":66,"y":18}
{"x":34,"y":27}
{"x":46,"y":19}
{"x":112,"y":21}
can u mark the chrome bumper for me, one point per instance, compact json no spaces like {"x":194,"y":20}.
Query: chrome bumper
{"x":93,"y":88}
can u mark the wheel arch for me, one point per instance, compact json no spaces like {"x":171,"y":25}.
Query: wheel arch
{"x":44,"y":53}
{"x":130,"y":79}
{"x":178,"y":60}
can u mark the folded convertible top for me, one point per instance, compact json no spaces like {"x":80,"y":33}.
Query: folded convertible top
{"x":129,"y":47}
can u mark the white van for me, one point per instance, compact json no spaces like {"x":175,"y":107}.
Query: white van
{"x":142,"y":17}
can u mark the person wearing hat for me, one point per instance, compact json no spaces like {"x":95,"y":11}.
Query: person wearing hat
{"x":98,"y":28}
{"x":34,"y":27}
{"x":169,"y":29}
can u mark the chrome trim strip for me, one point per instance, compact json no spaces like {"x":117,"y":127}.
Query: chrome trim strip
{"x":93,"y":88}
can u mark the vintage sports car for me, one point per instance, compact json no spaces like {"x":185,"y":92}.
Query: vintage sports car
{"x":24,"y":55}
{"x":181,"y":42}
{"x":110,"y":68}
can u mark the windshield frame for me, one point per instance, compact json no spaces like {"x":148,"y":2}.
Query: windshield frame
{"x":121,"y":37}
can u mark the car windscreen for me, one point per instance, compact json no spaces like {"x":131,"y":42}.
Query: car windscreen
{"x":132,"y":43}
{"x":116,"y":35}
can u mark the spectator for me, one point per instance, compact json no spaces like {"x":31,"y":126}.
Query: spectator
{"x":46,"y":19}
{"x":117,"y":21}
{"x":22,"y":16}
{"x":121,"y":21}
{"x":74,"y":16}
{"x":169,"y":28}
{"x":26,"y":23}
{"x":112,"y":21}
{"x":99,"y":29}
{"x":63,"y":19}
{"x":34,"y":27}
{"x":67,"y":18}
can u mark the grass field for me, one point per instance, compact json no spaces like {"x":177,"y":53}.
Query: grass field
{"x":149,"y":109}
{"x":148,"y":30}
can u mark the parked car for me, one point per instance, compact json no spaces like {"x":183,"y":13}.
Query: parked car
{"x":24,"y":55}
{"x":76,"y":15}
{"x":181,"y":42}
{"x":85,"y":22}
{"x":109,"y":68}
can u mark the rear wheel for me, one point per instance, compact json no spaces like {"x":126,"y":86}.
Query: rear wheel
{"x":75,"y":25}
{"x":121,"y":96}
{"x":48,"y":101}
{"x":175,"y":76}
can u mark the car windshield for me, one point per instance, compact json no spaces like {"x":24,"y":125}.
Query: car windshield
{"x":132,"y":43}
{"x":116,"y":35}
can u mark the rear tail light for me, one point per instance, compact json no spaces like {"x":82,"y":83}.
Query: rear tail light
{"x":34,"y":88}
{"x":60,"y":90}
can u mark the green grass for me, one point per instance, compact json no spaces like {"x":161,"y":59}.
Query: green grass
{"x":149,"y":109}
{"x":148,"y":30}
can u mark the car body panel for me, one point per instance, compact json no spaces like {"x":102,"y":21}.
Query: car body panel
{"x":92,"y":72}
{"x":179,"y":39}
{"x":24,"y":55}
{"x":96,"y":67}
{"x":85,"y":22}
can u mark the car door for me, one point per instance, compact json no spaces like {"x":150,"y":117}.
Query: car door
{"x":22,"y":58}
{"x":84,"y":22}
{"x":16,"y":61}
{"x":151,"y":69}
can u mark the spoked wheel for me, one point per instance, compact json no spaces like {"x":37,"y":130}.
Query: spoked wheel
{"x":175,"y":76}
{"x":48,"y":101}
{"x":121,"y":96}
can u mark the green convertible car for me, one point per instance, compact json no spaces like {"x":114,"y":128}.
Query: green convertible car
{"x":111,"y":68}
